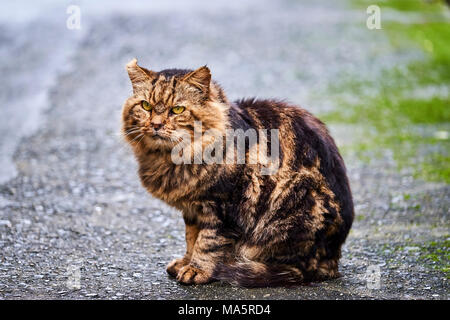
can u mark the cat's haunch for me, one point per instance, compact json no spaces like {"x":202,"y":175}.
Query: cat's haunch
{"x":242,"y":226}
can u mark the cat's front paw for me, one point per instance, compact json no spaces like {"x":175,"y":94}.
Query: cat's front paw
{"x":175,"y":265}
{"x":192,"y":275}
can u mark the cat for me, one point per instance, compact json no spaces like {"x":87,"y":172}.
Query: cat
{"x":242,"y":227}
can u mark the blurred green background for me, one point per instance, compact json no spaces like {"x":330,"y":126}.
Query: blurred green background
{"x":406,"y":109}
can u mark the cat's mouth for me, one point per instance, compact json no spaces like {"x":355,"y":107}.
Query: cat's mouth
{"x":160,"y":135}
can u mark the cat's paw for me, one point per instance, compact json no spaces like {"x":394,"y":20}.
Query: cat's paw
{"x":175,"y":265}
{"x":192,"y":275}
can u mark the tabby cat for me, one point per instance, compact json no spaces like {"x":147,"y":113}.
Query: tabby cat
{"x":242,"y":227}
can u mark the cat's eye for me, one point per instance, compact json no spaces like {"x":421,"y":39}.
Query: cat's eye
{"x":178,"y":109}
{"x":145,"y":105}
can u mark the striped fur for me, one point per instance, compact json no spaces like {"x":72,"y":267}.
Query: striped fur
{"x":242,"y":227}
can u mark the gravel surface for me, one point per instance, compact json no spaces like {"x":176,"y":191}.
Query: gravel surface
{"x":75,"y":222}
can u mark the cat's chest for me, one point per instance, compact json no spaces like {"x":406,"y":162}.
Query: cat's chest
{"x":171,"y":182}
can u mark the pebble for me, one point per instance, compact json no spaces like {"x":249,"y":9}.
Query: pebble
{"x":91,"y":294}
{"x":5,"y":223}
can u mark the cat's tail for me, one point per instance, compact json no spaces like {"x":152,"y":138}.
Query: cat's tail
{"x":252,"y":274}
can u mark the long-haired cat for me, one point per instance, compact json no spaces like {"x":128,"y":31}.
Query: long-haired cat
{"x":242,"y":226}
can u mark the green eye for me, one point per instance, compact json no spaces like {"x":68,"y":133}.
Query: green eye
{"x":145,"y":105}
{"x":178,"y":109}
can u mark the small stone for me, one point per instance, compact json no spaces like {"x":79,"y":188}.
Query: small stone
{"x":91,"y":295}
{"x":6,"y":223}
{"x":98,"y":210}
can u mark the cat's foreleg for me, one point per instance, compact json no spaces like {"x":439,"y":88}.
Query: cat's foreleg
{"x":191,"y":236}
{"x":209,"y":249}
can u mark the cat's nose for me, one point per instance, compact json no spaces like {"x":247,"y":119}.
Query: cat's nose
{"x":157,"y":125}
{"x":157,"y":121}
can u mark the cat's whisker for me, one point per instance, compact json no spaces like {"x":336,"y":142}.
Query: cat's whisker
{"x":143,"y":135}
{"x":132,"y":129}
{"x":135,"y":138}
{"x":176,"y":139}
{"x":131,"y":132}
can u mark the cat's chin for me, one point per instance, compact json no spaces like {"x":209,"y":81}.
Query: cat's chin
{"x":160,"y":141}
{"x":160,"y":137}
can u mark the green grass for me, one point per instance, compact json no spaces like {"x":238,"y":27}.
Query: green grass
{"x":404,"y":5}
{"x":389,"y":111}
{"x":436,"y":254}
{"x":415,"y":127}
{"x":433,"y":254}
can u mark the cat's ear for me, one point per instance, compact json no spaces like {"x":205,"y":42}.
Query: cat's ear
{"x":139,"y":76}
{"x":200,"y":78}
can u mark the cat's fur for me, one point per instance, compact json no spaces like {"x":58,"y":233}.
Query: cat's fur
{"x":242,"y":227}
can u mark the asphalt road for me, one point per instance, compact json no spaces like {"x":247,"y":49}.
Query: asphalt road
{"x":75,"y":222}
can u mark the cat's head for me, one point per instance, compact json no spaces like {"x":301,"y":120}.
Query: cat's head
{"x":168,"y":102}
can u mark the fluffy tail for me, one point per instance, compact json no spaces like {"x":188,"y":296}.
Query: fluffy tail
{"x":253,"y":274}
